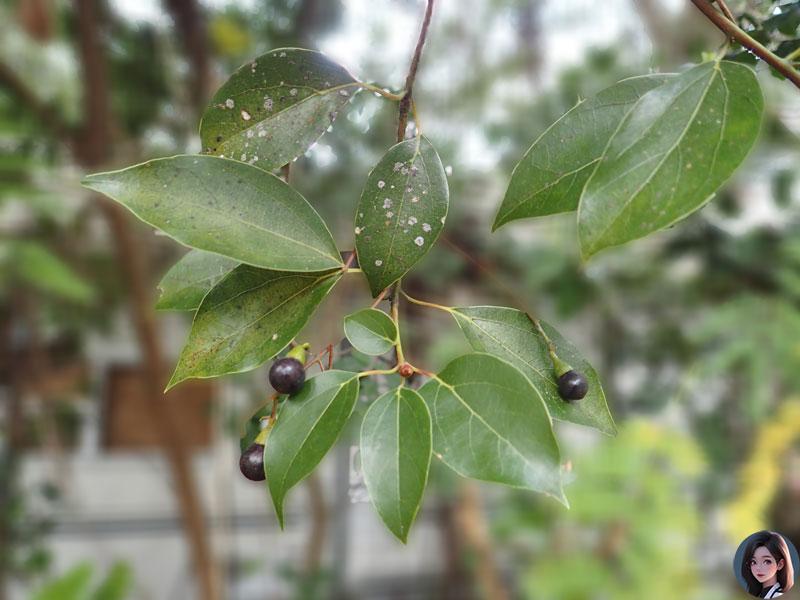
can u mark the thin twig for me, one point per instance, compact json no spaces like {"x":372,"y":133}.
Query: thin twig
{"x":732,"y":30}
{"x":725,"y":10}
{"x":402,"y":124}
{"x":405,"y":103}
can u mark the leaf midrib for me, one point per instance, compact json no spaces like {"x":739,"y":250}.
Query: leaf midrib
{"x":666,"y":155}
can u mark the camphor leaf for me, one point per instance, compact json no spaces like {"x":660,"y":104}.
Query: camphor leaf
{"x":39,"y":267}
{"x":395,"y":456}
{"x":671,"y":152}
{"x":370,"y":331}
{"x":225,"y":207}
{"x":247,"y":318}
{"x":490,"y":423}
{"x":551,"y":175}
{"x":274,"y":108}
{"x":189,"y":279}
{"x":511,"y":335}
{"x":308,"y":424}
{"x":401,"y":212}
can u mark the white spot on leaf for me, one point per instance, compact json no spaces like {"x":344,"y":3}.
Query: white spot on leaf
{"x":229,"y":103}
{"x":419,"y":240}
{"x":245,"y":115}
{"x":378,"y":263}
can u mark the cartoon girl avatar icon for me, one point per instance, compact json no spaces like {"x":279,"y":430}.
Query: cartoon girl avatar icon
{"x":767,"y":565}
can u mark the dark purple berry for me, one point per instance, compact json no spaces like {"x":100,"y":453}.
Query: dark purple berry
{"x":287,"y":375}
{"x":572,"y":386}
{"x":251,"y":463}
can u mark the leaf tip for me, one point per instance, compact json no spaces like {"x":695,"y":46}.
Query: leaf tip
{"x":499,"y":221}
{"x":177,"y":377}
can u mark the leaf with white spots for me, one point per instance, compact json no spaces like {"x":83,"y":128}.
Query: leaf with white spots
{"x":275,"y":107}
{"x":308,"y":425}
{"x":401,"y":212}
{"x":551,"y":175}
{"x":370,"y":331}
{"x":396,"y":456}
{"x":490,"y":423}
{"x":511,"y":335}
{"x":189,"y":279}
{"x":247,"y":318}
{"x":226,"y":207}
{"x":670,"y":154}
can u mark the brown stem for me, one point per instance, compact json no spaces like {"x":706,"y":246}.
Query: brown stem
{"x":405,"y":103}
{"x":725,"y":10}
{"x":732,"y":30}
{"x":93,"y":149}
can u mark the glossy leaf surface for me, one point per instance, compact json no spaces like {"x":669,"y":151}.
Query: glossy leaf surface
{"x":189,"y":279}
{"x":247,"y":318}
{"x":395,"y":456}
{"x":225,"y":207}
{"x":490,"y":423}
{"x":670,"y":154}
{"x":511,"y":335}
{"x":274,"y":108}
{"x":308,"y":424}
{"x":550,"y":177}
{"x":370,"y":331}
{"x":401,"y":212}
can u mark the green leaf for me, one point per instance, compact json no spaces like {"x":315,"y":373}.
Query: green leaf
{"x":117,"y":584}
{"x":511,"y":335}
{"x":74,"y":585}
{"x":225,"y":207}
{"x":252,"y":426}
{"x":247,"y":318}
{"x":274,"y":108}
{"x":308,"y":424}
{"x":671,"y":152}
{"x":370,"y":331}
{"x":401,"y":212}
{"x":490,"y":423}
{"x":551,"y":175}
{"x":395,"y":457}
{"x":189,"y":279}
{"x":42,"y":269}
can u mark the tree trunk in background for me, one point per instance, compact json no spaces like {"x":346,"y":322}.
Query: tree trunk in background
{"x":191,"y":25}
{"x":93,"y":149}
{"x":472,"y":524}
{"x":13,"y":431}
{"x":453,"y":582}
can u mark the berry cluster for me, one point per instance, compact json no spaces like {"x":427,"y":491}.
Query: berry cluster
{"x":286,"y":376}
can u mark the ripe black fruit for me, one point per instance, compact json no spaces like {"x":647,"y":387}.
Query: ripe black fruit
{"x":572,"y":386}
{"x":287,"y":375}
{"x":251,"y":463}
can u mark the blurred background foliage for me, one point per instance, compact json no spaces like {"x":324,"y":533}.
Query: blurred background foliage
{"x":695,"y":331}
